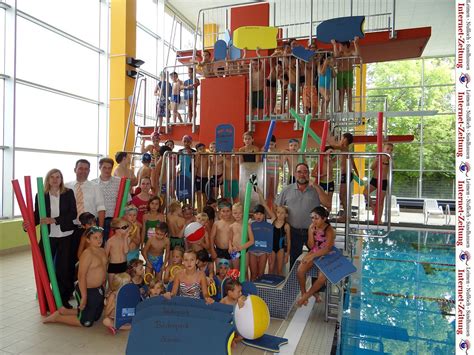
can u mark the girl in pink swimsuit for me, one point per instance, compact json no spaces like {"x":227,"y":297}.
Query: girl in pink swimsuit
{"x":321,"y":237}
{"x":190,"y":282}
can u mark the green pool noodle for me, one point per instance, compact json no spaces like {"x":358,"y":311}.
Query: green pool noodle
{"x":318,"y":140}
{"x":304,"y":139}
{"x":124,"y":198}
{"x":245,"y":230}
{"x":47,"y":246}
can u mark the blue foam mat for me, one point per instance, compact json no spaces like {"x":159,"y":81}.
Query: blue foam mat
{"x":266,"y":342}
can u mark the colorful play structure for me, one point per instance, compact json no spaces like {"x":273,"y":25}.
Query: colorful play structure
{"x":222,"y":112}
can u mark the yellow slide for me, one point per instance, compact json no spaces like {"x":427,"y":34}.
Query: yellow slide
{"x":251,"y":37}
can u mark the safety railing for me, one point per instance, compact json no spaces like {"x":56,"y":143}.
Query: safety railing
{"x":322,"y":87}
{"x":196,"y":177}
{"x":297,"y":19}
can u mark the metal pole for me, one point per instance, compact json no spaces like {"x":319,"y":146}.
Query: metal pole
{"x":250,"y":97}
{"x":393,"y":34}
{"x":167,"y":112}
{"x":195,"y":36}
{"x":311,"y":23}
{"x":348,"y":211}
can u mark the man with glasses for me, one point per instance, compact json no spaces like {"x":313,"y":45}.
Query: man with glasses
{"x":301,"y":198}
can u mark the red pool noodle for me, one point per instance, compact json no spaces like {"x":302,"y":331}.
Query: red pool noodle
{"x":119,"y":196}
{"x":379,"y":165}
{"x":37,"y":258}
{"x":31,"y":219}
{"x":321,"y":148}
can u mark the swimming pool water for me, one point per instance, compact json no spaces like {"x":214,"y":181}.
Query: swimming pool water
{"x":401,"y":300}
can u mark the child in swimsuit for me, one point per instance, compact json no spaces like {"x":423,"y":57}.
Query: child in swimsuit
{"x":176,"y":264}
{"x":136,"y":271}
{"x":155,"y":288}
{"x":190,"y":282}
{"x":151,"y":218}
{"x":321,"y":238}
{"x":233,"y":296}
{"x":177,"y":223}
{"x":134,"y":237}
{"x":116,"y":248}
{"x":109,"y":313}
{"x":220,"y":278}
{"x":235,"y":237}
{"x":157,"y":250}
{"x":281,"y":236}
{"x":248,"y":148}
{"x":262,"y":246}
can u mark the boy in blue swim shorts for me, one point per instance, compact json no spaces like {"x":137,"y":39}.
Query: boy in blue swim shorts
{"x":176,"y":96}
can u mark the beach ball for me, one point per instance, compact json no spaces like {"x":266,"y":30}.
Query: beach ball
{"x":194,"y":232}
{"x":253,"y":319}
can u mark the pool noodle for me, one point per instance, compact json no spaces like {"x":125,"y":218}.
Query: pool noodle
{"x":245,"y":229}
{"x":304,"y":139}
{"x":271,"y":127}
{"x":318,"y":140}
{"x":124,"y":198}
{"x":31,"y":219}
{"x":46,"y":245}
{"x":37,"y":258}
{"x":379,"y":166}
{"x":321,"y":148}
{"x":120,"y":195}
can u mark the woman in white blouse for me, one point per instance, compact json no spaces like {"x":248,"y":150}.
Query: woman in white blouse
{"x":60,"y":214}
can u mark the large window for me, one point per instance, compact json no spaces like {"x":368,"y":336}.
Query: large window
{"x":425,"y":167}
{"x":58,"y":111}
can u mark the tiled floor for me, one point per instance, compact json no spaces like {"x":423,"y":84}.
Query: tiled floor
{"x":22,"y":331}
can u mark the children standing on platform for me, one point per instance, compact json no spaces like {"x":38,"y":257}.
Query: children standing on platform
{"x":157,"y":250}
{"x":116,"y":248}
{"x":176,"y":224}
{"x":190,"y":282}
{"x":177,"y":86}
{"x":220,"y":233}
{"x":249,"y":147}
{"x":326,"y":175}
{"x":201,"y":169}
{"x":373,"y":185}
{"x":235,"y":236}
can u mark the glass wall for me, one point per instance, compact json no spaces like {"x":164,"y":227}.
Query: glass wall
{"x":58,"y":104}
{"x":424,"y":168}
{"x":152,"y":28}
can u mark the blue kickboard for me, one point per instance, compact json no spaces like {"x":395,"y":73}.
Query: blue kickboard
{"x":224,"y":138}
{"x":341,"y":29}
{"x":220,"y":50}
{"x":263,"y":235}
{"x":180,"y":311}
{"x":128,"y":298}
{"x":303,"y":53}
{"x":335,"y":266}
{"x":249,"y":288}
{"x":270,"y":280}
{"x":234,"y":53}
{"x":267,"y":343}
{"x":180,"y":326}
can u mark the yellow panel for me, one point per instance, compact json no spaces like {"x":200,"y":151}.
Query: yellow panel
{"x":210,"y":34}
{"x":360,"y":130}
{"x":122,"y":45}
{"x":251,"y":37}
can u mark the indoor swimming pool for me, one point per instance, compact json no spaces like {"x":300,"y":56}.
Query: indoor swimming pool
{"x":402,"y":299}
